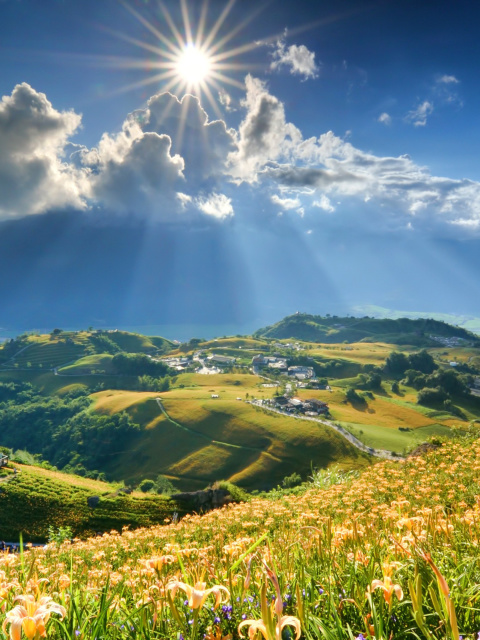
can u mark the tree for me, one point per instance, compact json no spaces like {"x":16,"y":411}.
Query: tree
{"x":397,"y":363}
{"x":146,"y":485}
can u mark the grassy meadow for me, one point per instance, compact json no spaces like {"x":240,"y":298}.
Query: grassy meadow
{"x":390,"y":553}
{"x":205,"y":439}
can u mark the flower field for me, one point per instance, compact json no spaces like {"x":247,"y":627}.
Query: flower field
{"x":391,"y":554}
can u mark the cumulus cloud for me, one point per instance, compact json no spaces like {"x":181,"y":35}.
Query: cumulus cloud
{"x":418,"y":116}
{"x":312,"y":170}
{"x":216,"y":205}
{"x":170,"y":161}
{"x":203,"y":144}
{"x":33,"y":176}
{"x":297,"y":58}
{"x":385,"y":118}
{"x":137,"y":173}
{"x":263,"y":135}
{"x":138,"y":169}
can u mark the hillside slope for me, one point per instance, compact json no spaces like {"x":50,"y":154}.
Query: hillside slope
{"x":34,"y":499}
{"x":333,"y":329}
{"x":392,"y":553}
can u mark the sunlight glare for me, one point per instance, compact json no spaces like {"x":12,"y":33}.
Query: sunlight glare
{"x":193,"y":66}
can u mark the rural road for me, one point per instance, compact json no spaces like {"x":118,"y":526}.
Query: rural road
{"x":378,"y":453}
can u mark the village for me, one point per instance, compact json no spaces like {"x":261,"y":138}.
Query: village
{"x":311,"y":407}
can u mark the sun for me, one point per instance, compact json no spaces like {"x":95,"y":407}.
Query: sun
{"x":193,"y":66}
{"x":192,"y":58}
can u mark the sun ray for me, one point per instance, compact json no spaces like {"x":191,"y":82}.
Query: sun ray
{"x":211,"y":100}
{"x":218,"y":24}
{"x":227,"y":80}
{"x":176,"y":33}
{"x":139,"y":43}
{"x":182,"y":123}
{"x":186,"y":21}
{"x":201,"y":24}
{"x":244,"y":48}
{"x":148,"y":25}
{"x":238,"y":66}
{"x":223,"y":41}
{"x":144,"y":83}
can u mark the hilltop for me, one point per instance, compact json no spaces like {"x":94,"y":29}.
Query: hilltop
{"x":335,"y":329}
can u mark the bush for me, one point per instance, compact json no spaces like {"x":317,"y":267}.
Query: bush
{"x":291,"y":481}
{"x":146,"y":485}
{"x":428,"y":396}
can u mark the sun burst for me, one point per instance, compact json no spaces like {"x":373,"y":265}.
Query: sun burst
{"x":187,"y":58}
{"x":193,"y":66}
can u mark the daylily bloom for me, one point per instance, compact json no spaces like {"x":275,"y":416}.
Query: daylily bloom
{"x":388,"y":588}
{"x":266,"y":626}
{"x":259,"y":625}
{"x":31,"y":616}
{"x":198,"y":594}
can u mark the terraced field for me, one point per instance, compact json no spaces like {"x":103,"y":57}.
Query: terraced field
{"x":47,"y":355}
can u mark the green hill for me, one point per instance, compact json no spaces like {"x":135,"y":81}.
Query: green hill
{"x":333,"y":329}
{"x":105,"y":404}
{"x":34,"y":499}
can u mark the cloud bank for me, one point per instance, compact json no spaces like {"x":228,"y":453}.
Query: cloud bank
{"x":171,"y":162}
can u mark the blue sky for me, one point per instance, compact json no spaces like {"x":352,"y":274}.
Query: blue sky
{"x":313,"y":156}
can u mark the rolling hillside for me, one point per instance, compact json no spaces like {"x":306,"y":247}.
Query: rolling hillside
{"x":104,"y":404}
{"x":34,"y":499}
{"x":200,"y":439}
{"x":333,"y":329}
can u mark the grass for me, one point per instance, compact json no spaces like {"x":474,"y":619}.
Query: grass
{"x":218,"y":438}
{"x":393,"y":439}
{"x":88,"y":365}
{"x":47,"y":355}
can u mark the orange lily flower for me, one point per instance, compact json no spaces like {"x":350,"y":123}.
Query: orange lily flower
{"x":266,"y":624}
{"x":197,"y":595}
{"x":388,"y":589}
{"x":31,"y":616}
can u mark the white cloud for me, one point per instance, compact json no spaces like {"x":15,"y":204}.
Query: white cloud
{"x":299,"y":60}
{"x":324,"y":203}
{"x":271,"y":150}
{"x":216,"y":205}
{"x":446,"y":79}
{"x":286,"y":203}
{"x":33,"y":176}
{"x":418,"y":117}
{"x":263,"y":135}
{"x":137,"y":169}
{"x":385,"y":118}
{"x":136,"y":172}
{"x":203,"y":144}
{"x":226,"y":100}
